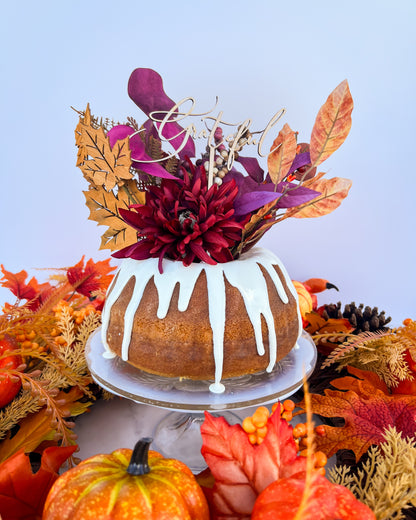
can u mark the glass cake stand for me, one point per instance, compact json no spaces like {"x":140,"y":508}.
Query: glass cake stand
{"x":178,"y":434}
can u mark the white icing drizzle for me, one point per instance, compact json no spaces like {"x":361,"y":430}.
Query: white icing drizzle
{"x":244,"y":274}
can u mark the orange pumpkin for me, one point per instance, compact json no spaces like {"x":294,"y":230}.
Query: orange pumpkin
{"x":283,"y":500}
{"x":304,"y":297}
{"x":126,"y":484}
{"x":8,"y":388}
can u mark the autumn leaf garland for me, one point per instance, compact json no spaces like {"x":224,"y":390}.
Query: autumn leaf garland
{"x":367,"y":408}
{"x":47,"y":328}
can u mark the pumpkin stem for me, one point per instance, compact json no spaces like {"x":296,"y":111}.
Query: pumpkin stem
{"x":139,"y":458}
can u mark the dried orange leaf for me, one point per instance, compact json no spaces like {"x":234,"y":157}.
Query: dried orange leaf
{"x":283,"y":152}
{"x":33,"y":430}
{"x":332,"y":124}
{"x":257,"y":217}
{"x":319,"y":325}
{"x":333,"y":192}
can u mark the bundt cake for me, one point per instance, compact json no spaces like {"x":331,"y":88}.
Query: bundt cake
{"x":205,"y":322}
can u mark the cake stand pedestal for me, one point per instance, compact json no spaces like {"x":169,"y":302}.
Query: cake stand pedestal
{"x":178,"y":434}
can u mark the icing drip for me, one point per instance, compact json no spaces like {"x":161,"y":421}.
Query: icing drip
{"x":244,"y":274}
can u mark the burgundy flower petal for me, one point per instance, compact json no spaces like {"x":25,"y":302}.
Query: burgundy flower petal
{"x":215,"y":239}
{"x":222,"y":256}
{"x":132,"y":218}
{"x":186,"y":221}
{"x":201,"y":253}
{"x":136,"y":251}
{"x":145,"y":88}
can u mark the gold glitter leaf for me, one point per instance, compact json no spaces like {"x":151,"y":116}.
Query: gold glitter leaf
{"x":101,"y":164}
{"x":104,"y":208}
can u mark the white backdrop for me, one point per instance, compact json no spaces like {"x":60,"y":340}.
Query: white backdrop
{"x":257,"y":57}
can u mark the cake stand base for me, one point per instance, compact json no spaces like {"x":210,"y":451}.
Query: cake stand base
{"x":178,"y":436}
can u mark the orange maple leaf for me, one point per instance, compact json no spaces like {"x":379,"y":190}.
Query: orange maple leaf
{"x":367,"y":409}
{"x":241,"y":470}
{"x":22,"y":492}
{"x":32,"y":291}
{"x":94,"y":277}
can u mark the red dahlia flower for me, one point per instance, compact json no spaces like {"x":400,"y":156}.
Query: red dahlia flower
{"x":184,"y":220}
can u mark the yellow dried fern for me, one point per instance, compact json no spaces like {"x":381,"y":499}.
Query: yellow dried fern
{"x":386,"y":481}
{"x":63,"y":366}
{"x":382,"y":352}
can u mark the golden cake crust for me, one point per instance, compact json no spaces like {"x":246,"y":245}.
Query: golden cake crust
{"x":180,"y":345}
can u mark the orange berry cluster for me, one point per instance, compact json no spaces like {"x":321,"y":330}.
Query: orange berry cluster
{"x":300,"y":435}
{"x":78,"y":315}
{"x":256,"y":428}
{"x":26,"y":342}
{"x":256,"y":425}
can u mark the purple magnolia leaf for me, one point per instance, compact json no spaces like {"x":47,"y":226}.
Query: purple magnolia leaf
{"x":145,"y":88}
{"x":296,"y":195}
{"x":253,"y":200}
{"x":245,"y":184}
{"x":302,"y":159}
{"x":138,"y":152}
{"x":252,"y":167}
{"x":252,"y":195}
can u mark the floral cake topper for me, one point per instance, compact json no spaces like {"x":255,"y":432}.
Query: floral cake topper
{"x":163,"y":204}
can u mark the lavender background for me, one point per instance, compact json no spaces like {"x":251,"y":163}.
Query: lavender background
{"x":257,"y":57}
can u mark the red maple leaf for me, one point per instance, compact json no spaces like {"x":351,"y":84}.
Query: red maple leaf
{"x":242,"y":470}
{"x":367,"y":409}
{"x":94,"y":277}
{"x":22,"y":492}
{"x":32,"y":291}
{"x":284,"y":500}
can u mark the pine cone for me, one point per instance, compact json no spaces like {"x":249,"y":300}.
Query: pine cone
{"x":364,"y":319}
